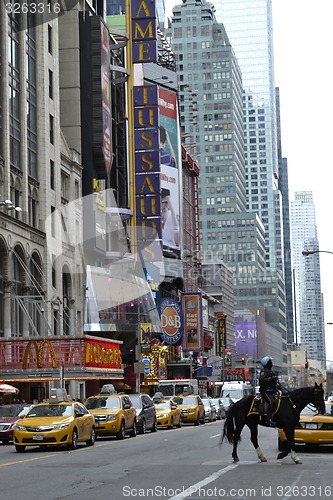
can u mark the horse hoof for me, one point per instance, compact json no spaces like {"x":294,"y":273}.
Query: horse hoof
{"x":280,"y":456}
{"x":236,"y":459}
{"x":263,"y":459}
{"x":298,"y":461}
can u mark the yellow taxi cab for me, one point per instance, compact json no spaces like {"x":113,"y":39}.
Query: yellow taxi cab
{"x":167,"y":413}
{"x":114,"y":414}
{"x":56,"y":422}
{"x":192,"y":409}
{"x":313,"y":429}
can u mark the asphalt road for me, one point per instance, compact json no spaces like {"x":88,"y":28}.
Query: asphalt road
{"x":170,"y":464}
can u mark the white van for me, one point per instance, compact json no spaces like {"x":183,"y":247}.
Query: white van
{"x":236,"y":390}
{"x":171,"y":388}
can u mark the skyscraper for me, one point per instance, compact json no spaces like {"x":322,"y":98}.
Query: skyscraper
{"x":213,"y":114}
{"x":249,"y":27}
{"x":307,"y":269}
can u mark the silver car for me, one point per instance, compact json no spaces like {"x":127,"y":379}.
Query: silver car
{"x":210,"y":410}
{"x":220,"y":410}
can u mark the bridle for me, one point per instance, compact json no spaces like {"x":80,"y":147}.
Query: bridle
{"x":318,"y":401}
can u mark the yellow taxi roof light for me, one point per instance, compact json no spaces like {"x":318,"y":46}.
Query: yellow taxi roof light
{"x":58,"y":395}
{"x":108,"y":389}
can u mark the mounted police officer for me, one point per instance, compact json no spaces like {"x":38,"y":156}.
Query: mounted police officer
{"x":268,"y":387}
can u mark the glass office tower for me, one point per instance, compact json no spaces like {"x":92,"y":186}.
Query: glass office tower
{"x":305,"y":237}
{"x":249,"y":27}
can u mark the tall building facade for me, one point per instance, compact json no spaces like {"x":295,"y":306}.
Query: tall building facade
{"x":211,"y":106}
{"x":307,"y":270}
{"x":249,"y":27}
{"x":286,"y":231}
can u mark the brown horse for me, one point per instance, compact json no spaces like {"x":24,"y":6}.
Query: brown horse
{"x":286,"y":416}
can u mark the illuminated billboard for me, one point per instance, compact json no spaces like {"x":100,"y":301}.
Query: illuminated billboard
{"x":246,"y":342}
{"x":170,"y":172}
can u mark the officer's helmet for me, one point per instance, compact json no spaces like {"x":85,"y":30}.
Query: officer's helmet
{"x":265,"y":360}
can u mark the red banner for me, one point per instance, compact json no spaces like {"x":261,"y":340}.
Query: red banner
{"x":102,"y":354}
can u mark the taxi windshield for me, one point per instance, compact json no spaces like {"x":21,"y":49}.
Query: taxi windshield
{"x":109,"y":403}
{"x":51,"y":411}
{"x":163,"y":404}
{"x":185,"y":401}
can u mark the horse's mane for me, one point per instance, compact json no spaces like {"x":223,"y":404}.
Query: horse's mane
{"x":301,"y":390}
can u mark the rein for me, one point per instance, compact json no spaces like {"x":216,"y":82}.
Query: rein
{"x":285,"y":394}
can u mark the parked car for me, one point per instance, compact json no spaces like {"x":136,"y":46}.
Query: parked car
{"x":227,"y":402}
{"x":114,"y":414}
{"x":57,"y":422}
{"x":192,"y":409}
{"x":210,"y":410}
{"x":312,"y":428}
{"x":167,"y":413}
{"x":145,"y":412}
{"x":9,"y":415}
{"x":220,"y":410}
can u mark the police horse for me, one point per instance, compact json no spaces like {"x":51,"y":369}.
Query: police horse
{"x":286,"y":414}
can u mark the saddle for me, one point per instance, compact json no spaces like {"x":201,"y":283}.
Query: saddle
{"x":260,"y":406}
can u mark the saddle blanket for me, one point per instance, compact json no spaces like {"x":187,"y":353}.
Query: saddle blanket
{"x":257,"y":401}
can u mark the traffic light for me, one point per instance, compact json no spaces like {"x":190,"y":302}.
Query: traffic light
{"x":306,"y":365}
{"x":243,"y":360}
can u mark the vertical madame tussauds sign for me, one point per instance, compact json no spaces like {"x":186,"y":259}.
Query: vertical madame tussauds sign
{"x":144,"y":33}
{"x":147,"y":172}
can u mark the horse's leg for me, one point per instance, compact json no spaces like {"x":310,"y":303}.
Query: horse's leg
{"x":239,"y":424}
{"x":253,"y":426}
{"x":290,"y":448}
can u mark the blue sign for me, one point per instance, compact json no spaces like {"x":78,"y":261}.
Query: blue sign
{"x":172,"y":321}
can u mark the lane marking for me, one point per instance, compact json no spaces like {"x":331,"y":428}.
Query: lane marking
{"x":28,"y":460}
{"x":209,"y":479}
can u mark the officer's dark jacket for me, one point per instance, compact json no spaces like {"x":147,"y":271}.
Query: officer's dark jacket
{"x":268,"y":381}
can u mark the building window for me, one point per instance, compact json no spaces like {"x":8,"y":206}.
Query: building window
{"x":51,"y":129}
{"x":53,"y":222}
{"x":49,"y":38}
{"x":54,"y":281}
{"x":52,"y":183}
{"x":50,"y":84}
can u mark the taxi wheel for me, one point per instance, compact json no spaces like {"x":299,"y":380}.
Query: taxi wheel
{"x":92,"y":439}
{"x":143,"y":427}
{"x":203,"y":420}
{"x":19,"y":448}
{"x":154,"y":428}
{"x":282,"y":445}
{"x":197,"y":422}
{"x":73,"y":444}
{"x":133,"y":432}
{"x":171,"y":423}
{"x":121,"y":433}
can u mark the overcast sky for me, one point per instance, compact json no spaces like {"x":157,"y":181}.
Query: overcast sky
{"x":303,"y":71}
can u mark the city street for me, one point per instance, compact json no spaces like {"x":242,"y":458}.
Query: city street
{"x":171,"y":464}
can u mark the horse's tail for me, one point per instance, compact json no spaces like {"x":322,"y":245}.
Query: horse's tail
{"x":228,"y":432}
